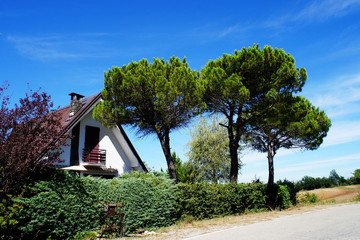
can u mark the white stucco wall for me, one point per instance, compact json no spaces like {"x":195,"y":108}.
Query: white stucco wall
{"x":118,"y":152}
{"x":65,"y":155}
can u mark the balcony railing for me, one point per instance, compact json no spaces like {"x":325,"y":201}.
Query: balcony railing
{"x":94,"y":156}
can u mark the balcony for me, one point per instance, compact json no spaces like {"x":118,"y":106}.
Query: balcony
{"x":94,"y":157}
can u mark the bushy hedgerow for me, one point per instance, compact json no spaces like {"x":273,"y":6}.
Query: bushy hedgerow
{"x":58,"y":208}
{"x":283,"y":198}
{"x":204,"y":200}
{"x":67,"y":204}
{"x":148,"y":199}
{"x":292,"y":189}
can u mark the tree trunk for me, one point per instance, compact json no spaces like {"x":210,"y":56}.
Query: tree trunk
{"x":270,"y":157}
{"x":233,"y":145}
{"x":165,"y":144}
{"x":271,"y":189}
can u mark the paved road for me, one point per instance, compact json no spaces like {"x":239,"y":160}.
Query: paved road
{"x":338,"y":223}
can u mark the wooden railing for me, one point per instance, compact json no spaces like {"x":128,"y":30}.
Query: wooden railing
{"x":94,"y":156}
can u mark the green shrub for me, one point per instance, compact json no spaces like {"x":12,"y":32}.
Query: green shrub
{"x":8,"y":220}
{"x":355,"y":179}
{"x":308,"y":198}
{"x":242,"y":197}
{"x":59,"y":208}
{"x":68,"y":206}
{"x":199,"y":200}
{"x":283,"y":200}
{"x":85,"y":235}
{"x":204,"y":200}
{"x":148,"y":199}
{"x":292,"y":188}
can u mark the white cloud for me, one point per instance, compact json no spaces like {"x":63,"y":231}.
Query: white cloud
{"x":298,"y":170}
{"x":228,"y":31}
{"x":342,"y":91}
{"x":319,"y":164}
{"x":340,"y":99}
{"x":314,"y":12}
{"x":322,"y":10}
{"x":343,"y":132}
{"x":60,"y":46}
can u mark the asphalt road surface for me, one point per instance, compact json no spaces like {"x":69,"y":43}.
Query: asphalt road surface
{"x":338,"y":222}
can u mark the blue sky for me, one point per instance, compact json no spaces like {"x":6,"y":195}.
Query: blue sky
{"x":66,"y":46}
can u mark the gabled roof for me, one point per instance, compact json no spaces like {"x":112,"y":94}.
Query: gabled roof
{"x":86,"y":105}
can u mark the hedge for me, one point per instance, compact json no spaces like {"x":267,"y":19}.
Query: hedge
{"x":66,"y":204}
{"x":204,"y":200}
{"x":148,"y":199}
{"x":58,"y":208}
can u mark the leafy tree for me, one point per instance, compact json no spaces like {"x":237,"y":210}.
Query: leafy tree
{"x":292,"y":122}
{"x":27,"y":131}
{"x":242,"y":86}
{"x":156,"y":98}
{"x":336,"y":179}
{"x":209,"y":151}
{"x":185,"y":172}
{"x":355,"y":179}
{"x":357,"y":174}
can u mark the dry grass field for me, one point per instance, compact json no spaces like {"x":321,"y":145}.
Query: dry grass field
{"x":336,"y":194}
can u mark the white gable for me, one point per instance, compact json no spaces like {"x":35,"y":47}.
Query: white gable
{"x":119,"y":156}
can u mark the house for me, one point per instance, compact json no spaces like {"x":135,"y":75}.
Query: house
{"x":94,"y":149}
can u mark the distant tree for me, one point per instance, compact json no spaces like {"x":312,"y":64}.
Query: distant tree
{"x":184,"y":170}
{"x":291,"y":122}
{"x":355,"y":179}
{"x":336,"y":179}
{"x":242,"y":86}
{"x":155,"y":98}
{"x":209,"y":151}
{"x":357,"y":174}
{"x":27,"y":130}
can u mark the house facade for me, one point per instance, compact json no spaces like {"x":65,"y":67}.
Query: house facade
{"x":94,"y":149}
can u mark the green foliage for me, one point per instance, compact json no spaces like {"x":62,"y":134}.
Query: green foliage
{"x":292,"y":189}
{"x":185,"y":172}
{"x":209,"y":151}
{"x":310,"y":183}
{"x":308,"y":198}
{"x":155,"y":98}
{"x":357,"y":174}
{"x":148,"y":199}
{"x":200,"y":200}
{"x":85,"y":235}
{"x":67,"y":206}
{"x":335,"y":179}
{"x":243,"y":197}
{"x":242,"y":86}
{"x":283,"y":200}
{"x":205,"y":200}
{"x":355,"y":179}
{"x":59,"y":207}
{"x":278,"y":196}
{"x":290,"y":122}
{"x":8,"y":220}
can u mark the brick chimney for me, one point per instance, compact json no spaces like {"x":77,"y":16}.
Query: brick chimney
{"x":75,"y":103}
